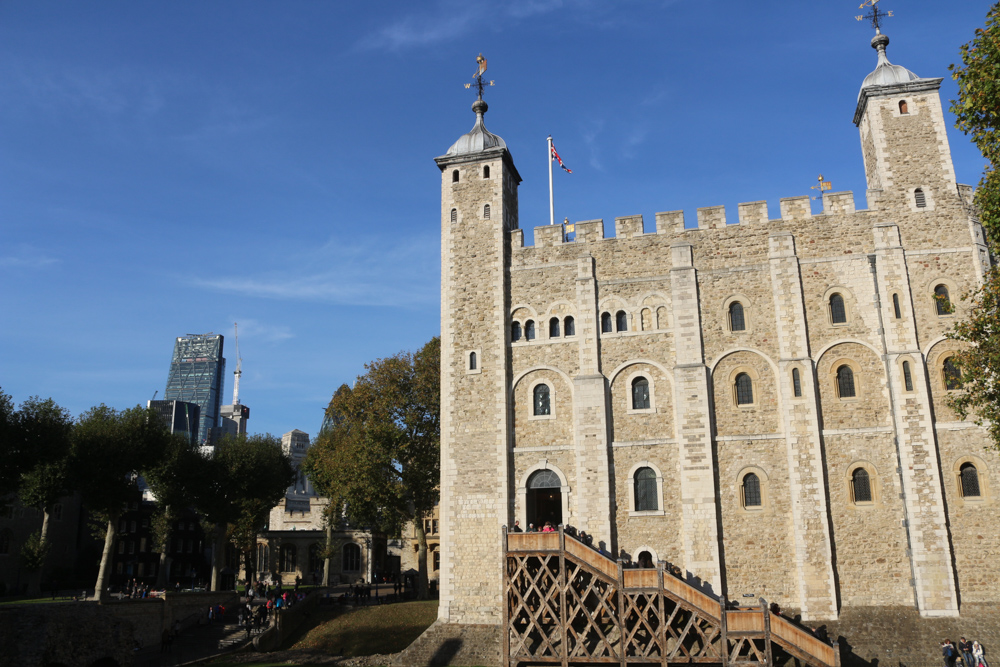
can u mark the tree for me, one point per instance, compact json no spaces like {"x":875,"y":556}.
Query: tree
{"x":978,"y":114}
{"x":110,"y":449}
{"x":10,"y":471}
{"x":43,"y":431}
{"x":172,"y":482}
{"x":380,"y":459}
{"x":244,"y":479}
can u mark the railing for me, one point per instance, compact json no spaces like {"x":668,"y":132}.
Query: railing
{"x":566,"y":603}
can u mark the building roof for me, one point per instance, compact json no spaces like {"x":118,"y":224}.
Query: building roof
{"x":886,"y":74}
{"x":478,"y":139}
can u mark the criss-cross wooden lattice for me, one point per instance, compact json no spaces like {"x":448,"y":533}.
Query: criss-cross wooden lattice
{"x":568,"y":604}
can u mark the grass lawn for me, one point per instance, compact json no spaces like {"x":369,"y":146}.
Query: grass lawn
{"x":380,"y":629}
{"x":39,"y":600}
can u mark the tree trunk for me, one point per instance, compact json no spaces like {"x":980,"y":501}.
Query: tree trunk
{"x":104,"y":574}
{"x":163,"y":571}
{"x":327,"y":564}
{"x":218,"y":555}
{"x":35,"y":578}
{"x":250,"y":569}
{"x":418,"y":524}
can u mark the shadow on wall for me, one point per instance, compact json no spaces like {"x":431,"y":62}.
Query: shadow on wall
{"x":848,"y":658}
{"x":446,"y":652}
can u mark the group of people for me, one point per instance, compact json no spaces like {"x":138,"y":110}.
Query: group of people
{"x":966,"y":654}
{"x":547,"y":527}
{"x":135,"y":590}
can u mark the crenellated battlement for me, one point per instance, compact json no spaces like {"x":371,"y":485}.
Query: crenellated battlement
{"x":708,"y":218}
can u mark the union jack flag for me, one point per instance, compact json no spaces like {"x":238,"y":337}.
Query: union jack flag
{"x":555,"y":156}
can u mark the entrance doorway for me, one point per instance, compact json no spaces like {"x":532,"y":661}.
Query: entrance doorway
{"x":544,"y":499}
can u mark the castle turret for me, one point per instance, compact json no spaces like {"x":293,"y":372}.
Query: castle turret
{"x":904,"y":139}
{"x":478,"y":207}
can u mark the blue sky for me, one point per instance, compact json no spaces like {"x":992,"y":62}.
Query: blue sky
{"x":174,"y":167}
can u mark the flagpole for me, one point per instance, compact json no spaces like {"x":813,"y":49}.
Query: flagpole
{"x":552,"y":210}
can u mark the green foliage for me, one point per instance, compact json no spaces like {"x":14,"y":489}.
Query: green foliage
{"x":10,"y":471}
{"x":172,"y":480}
{"x":44,"y":430}
{"x":381,"y":458}
{"x":33,"y":552}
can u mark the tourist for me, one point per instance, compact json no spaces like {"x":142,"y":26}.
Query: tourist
{"x":548,"y":528}
{"x":965,"y":648}
{"x":517,"y":526}
{"x":948,"y":653}
{"x":977,"y":655}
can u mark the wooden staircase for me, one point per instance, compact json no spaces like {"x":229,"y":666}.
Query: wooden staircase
{"x":568,"y":604}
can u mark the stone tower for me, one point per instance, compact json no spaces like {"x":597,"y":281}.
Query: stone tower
{"x":478,"y":208}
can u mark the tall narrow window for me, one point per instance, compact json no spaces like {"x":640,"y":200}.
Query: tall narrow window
{"x":515,"y":331}
{"x":454,"y":176}
{"x":943,"y":300}
{"x":838,"y":314}
{"x":736,"y":321}
{"x":861,"y":486}
{"x":645,"y":490}
{"x":541,"y":402}
{"x":352,"y":558}
{"x":796,"y":383}
{"x":606,"y":323}
{"x":751,"y":490}
{"x":744,"y":389}
{"x":895,"y":306}
{"x":529,"y":330}
{"x":952,"y":375}
{"x":569,"y":326}
{"x":486,"y":212}
{"x":621,"y":320}
{"x":903,"y":107}
{"x":640,"y":394}
{"x":970,"y":481}
{"x":554,"y":327}
{"x":472,"y":361}
{"x":454,"y":215}
{"x":920,"y":198}
{"x":907,"y":376}
{"x":845,"y":382}
{"x":486,"y":171}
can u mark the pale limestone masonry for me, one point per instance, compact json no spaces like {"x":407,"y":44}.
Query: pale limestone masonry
{"x":653,"y":312}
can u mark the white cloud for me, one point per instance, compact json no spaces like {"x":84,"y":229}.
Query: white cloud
{"x":367,"y":273}
{"x":251,"y":329}
{"x":27,"y":257}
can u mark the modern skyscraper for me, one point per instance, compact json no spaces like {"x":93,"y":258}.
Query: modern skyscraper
{"x":197,"y":375}
{"x":179,"y":416}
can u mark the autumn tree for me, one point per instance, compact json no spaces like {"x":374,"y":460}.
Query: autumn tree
{"x":43,"y":432}
{"x":110,"y":449}
{"x":379,"y":462}
{"x":977,"y":111}
{"x":246,"y":476}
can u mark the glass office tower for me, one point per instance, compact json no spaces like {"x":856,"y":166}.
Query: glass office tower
{"x":197,"y":375}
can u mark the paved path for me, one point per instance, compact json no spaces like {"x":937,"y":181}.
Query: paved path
{"x":196,"y":643}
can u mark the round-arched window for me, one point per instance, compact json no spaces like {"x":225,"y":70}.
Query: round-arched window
{"x":554,"y":327}
{"x":640,"y":394}
{"x":861,"y":487}
{"x":751,"y":490}
{"x":569,"y":326}
{"x":645,"y":490}
{"x":621,"y":320}
{"x":838,"y":313}
{"x":744,"y":389}
{"x":845,"y":382}
{"x":736,"y":320}
{"x":970,"y":481}
{"x":606,"y":323}
{"x":541,"y":400}
{"x":544,"y":479}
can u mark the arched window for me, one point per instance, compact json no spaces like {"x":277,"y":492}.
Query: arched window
{"x":845,"y":382}
{"x":907,"y":376}
{"x":970,"y":481}
{"x":289,"y":555}
{"x":736,"y":321}
{"x":952,"y":374}
{"x":486,"y":212}
{"x":5,"y":542}
{"x":751,"y":490}
{"x":544,"y":479}
{"x":605,"y":322}
{"x":640,"y":394}
{"x":486,"y":171}
{"x":861,"y":486}
{"x":454,"y":215}
{"x":796,"y":383}
{"x":569,"y":326}
{"x":902,"y":107}
{"x":919,"y":198}
{"x":454,"y":176}
{"x":895,"y":306}
{"x":554,"y":327}
{"x":621,"y":320}
{"x":472,"y":361}
{"x":529,"y":330}
{"x":838,"y":314}
{"x":541,"y":402}
{"x":645,"y":490}
{"x":352,"y":558}
{"x":515,"y":331}
{"x":943,"y":300}
{"x":744,"y":389}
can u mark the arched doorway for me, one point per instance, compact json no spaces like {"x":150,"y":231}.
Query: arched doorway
{"x":544,"y":499}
